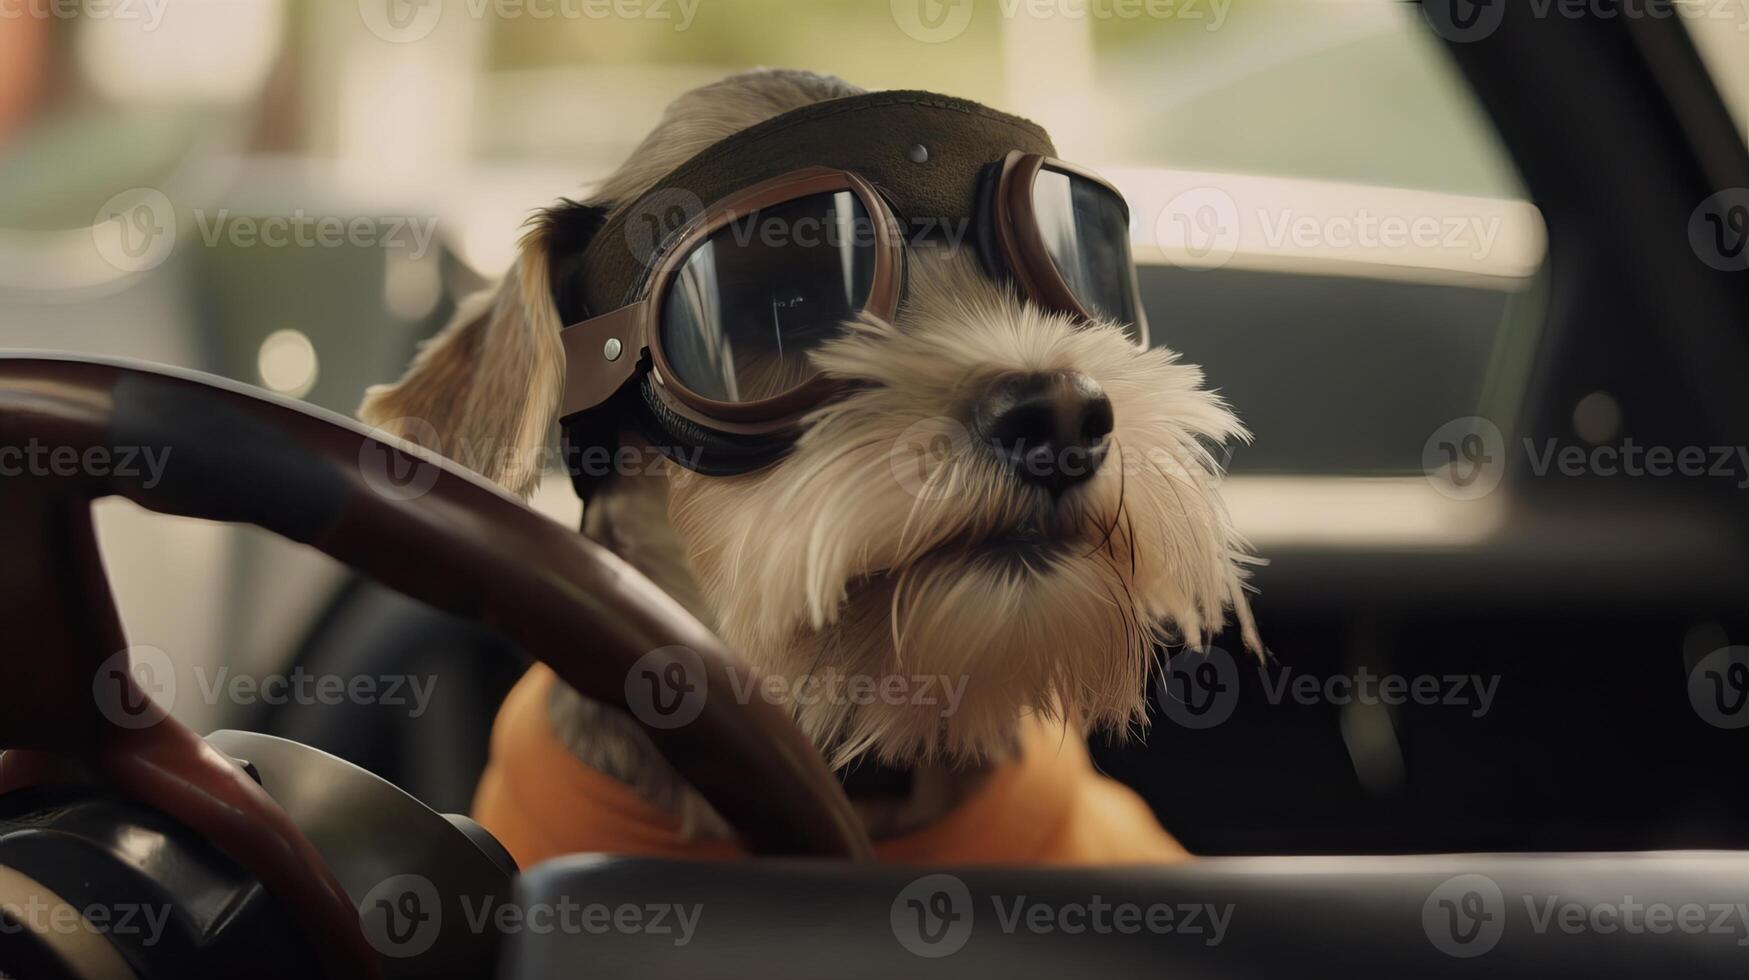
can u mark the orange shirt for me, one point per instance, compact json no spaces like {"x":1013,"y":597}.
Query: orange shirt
{"x":1046,"y":807}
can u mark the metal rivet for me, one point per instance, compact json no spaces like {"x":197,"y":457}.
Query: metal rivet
{"x":918,"y":153}
{"x":611,"y":349}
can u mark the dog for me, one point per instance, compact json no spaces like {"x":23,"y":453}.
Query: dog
{"x":894,"y":542}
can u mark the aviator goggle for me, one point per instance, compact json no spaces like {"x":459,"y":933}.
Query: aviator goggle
{"x":714,"y":326}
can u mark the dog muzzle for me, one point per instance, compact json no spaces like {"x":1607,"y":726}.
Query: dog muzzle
{"x":722,"y":279}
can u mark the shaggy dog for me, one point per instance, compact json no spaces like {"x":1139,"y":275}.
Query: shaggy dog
{"x":892,"y":543}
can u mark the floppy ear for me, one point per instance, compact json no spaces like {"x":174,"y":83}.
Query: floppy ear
{"x":484,"y":391}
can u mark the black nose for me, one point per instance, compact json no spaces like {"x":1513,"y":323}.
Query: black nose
{"x":1051,"y":429}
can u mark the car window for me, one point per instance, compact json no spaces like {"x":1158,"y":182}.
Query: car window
{"x":1317,"y":199}
{"x":1721,"y":34}
{"x":1354,"y":264}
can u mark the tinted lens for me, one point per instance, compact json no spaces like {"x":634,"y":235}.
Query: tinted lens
{"x":1086,"y":231}
{"x":751,"y":301}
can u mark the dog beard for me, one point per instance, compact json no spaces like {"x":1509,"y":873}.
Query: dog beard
{"x":914,"y":600}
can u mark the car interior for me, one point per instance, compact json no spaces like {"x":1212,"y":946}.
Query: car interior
{"x":1561,"y":642}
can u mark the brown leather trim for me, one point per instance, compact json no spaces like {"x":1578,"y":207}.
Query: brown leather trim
{"x":873,"y":135}
{"x":1023,"y":247}
{"x":590,"y":380}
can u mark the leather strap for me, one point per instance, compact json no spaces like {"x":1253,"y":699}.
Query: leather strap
{"x":874,"y":135}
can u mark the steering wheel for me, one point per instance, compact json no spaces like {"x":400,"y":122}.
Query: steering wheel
{"x":70,"y":709}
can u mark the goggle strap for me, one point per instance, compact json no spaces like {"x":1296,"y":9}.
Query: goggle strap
{"x":613,"y":339}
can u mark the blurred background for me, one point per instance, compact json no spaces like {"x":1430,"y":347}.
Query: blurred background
{"x":294,"y":194}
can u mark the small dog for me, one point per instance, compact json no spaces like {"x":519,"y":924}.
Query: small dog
{"x":890,"y":543}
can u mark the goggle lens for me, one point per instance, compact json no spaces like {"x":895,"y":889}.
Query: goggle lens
{"x":1086,"y":233}
{"x":748,"y":304}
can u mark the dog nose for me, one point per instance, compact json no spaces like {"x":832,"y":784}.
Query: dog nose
{"x":1051,"y":429}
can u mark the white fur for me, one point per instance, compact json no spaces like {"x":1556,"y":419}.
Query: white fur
{"x":858,"y":555}
{"x":835,"y":559}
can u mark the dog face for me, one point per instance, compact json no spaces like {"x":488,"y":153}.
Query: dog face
{"x":906,"y":541}
{"x":1004,"y":514}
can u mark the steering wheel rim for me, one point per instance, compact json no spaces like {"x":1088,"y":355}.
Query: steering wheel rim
{"x":411,"y":520}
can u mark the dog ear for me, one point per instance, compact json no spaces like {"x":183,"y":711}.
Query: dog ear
{"x":485,"y":391}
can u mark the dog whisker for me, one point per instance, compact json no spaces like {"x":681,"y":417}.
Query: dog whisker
{"x":1129,"y":535}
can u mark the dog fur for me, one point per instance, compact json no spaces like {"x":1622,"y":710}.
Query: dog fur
{"x":858,"y":552}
